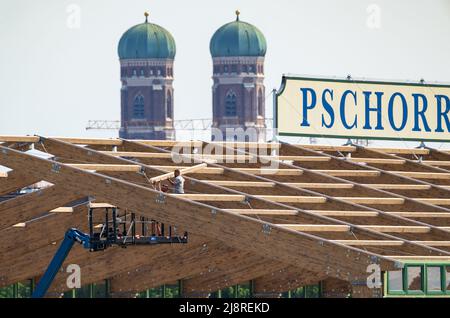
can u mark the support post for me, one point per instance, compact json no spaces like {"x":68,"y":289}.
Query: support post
{"x":107,"y":288}
{"x":91,"y":290}
{"x":274,"y":115}
{"x":16,"y":290}
{"x":180,"y":288}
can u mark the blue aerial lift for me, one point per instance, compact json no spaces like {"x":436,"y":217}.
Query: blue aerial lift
{"x":115,"y":231}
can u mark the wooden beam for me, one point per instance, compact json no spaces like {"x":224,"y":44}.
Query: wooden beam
{"x":370,"y":200}
{"x":346,"y":228}
{"x":231,"y":183}
{"x":28,"y":206}
{"x":391,"y":243}
{"x":403,"y":151}
{"x":345,"y":213}
{"x":350,"y":173}
{"x":171,"y":143}
{"x":3,"y":174}
{"x":31,"y":139}
{"x":62,"y":210}
{"x":330,"y":148}
{"x":314,"y":185}
{"x":369,"y":242}
{"x":436,"y":201}
{"x":316,"y":227}
{"x":183,"y":171}
{"x":107,"y":167}
{"x":399,"y":186}
{"x":241,"y":198}
{"x":91,"y":141}
{"x":439,"y":163}
{"x":423,"y":175}
{"x":16,"y":180}
{"x":281,"y":244}
{"x":262,"y":212}
{"x":377,"y":161}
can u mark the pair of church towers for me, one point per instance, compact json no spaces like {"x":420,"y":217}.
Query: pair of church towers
{"x":147,"y":52}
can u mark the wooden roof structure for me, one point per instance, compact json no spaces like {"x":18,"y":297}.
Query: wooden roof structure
{"x":282,"y":215}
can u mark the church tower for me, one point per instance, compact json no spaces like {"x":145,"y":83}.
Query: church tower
{"x":238,"y":50}
{"x":146,"y":52}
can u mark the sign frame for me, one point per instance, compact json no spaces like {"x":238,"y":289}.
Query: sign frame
{"x":285,"y":78}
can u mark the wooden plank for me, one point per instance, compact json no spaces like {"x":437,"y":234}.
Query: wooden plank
{"x":62,"y":210}
{"x":183,"y":171}
{"x":211,"y":197}
{"x":434,"y":243}
{"x":316,"y":227}
{"x":91,"y":141}
{"x":350,"y":173}
{"x":171,"y":143}
{"x":269,"y":171}
{"x":346,"y":228}
{"x":241,"y":198}
{"x":436,"y":201}
{"x":298,"y":158}
{"x":100,"y":205}
{"x":374,"y":214}
{"x":135,"y":154}
{"x":262,"y":212}
{"x":345,"y":213}
{"x":292,"y":198}
{"x":207,"y":170}
{"x":329,"y":148}
{"x":420,"y":258}
{"x":245,"y":145}
{"x":423,"y":175}
{"x":19,"y":139}
{"x":370,"y":200}
{"x":231,"y":183}
{"x":422,"y":214}
{"x":320,"y":185}
{"x":107,"y":167}
{"x":390,"y":243}
{"x":439,"y":163}
{"x":399,"y":186}
{"x":369,"y":242}
{"x":377,"y":161}
{"x":402,"y":151}
{"x":398,"y":229}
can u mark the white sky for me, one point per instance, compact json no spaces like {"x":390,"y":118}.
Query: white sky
{"x":54,"y":78}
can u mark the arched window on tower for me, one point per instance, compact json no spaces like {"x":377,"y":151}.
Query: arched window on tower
{"x":169,"y":108}
{"x":138,"y":107}
{"x":230,"y":104}
{"x":260,"y":103}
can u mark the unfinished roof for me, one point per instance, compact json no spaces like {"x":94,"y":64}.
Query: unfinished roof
{"x":269,"y":212}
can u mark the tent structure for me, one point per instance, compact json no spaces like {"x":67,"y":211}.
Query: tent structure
{"x":279,"y":215}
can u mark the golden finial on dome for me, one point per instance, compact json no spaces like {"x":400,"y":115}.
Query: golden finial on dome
{"x":146,"y":14}
{"x":237,"y":15}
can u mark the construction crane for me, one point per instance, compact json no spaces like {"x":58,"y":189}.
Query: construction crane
{"x":182,"y":124}
{"x":114,"y":231}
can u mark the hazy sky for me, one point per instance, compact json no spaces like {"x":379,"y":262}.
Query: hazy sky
{"x":54,"y":77}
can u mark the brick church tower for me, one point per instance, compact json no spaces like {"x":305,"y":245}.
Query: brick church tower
{"x":146,"y":53}
{"x":238,"y":49}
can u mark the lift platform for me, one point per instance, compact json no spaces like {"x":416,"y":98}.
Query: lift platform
{"x":116,"y":229}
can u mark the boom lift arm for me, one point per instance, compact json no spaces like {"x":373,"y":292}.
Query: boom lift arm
{"x":71,"y":236}
{"x":110,"y":235}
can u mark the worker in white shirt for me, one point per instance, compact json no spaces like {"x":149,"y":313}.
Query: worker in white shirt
{"x":177,"y":182}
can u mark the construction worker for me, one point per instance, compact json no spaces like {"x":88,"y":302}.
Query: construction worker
{"x":177,"y":182}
